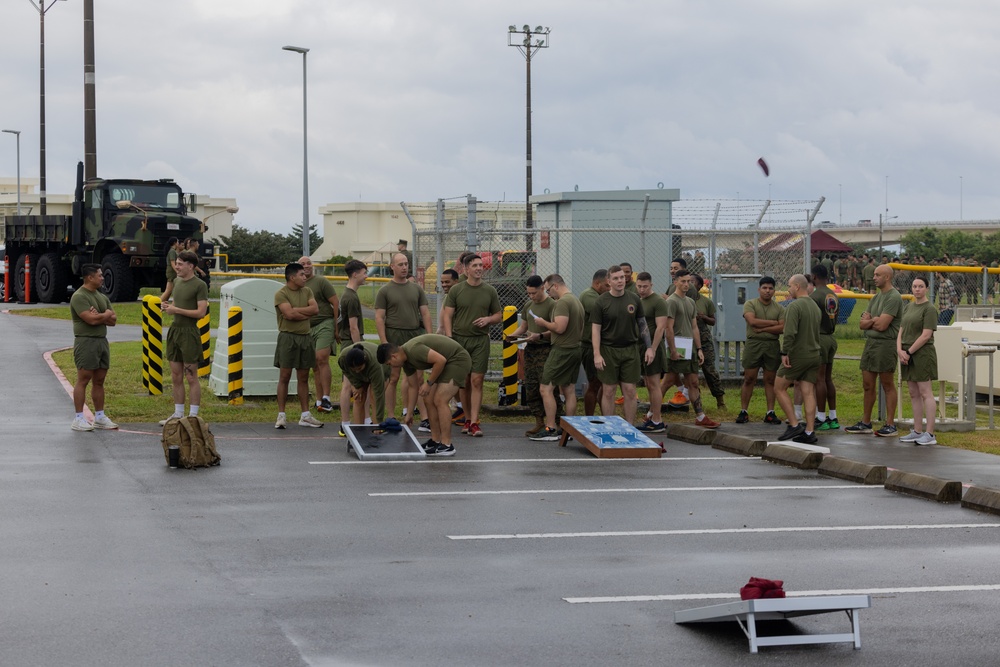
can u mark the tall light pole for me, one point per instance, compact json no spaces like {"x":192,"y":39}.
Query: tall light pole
{"x":961,"y":194}
{"x":528,"y":42}
{"x":42,"y":9}
{"x":17,"y":134}
{"x":305,"y":153}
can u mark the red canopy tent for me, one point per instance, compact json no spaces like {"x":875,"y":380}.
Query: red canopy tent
{"x":820,"y":242}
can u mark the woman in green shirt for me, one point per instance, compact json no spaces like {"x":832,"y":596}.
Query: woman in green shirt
{"x":918,"y":361}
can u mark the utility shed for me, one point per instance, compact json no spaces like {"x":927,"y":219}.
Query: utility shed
{"x":592,"y":230}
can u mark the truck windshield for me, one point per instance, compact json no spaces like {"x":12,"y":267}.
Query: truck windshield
{"x":148,"y":196}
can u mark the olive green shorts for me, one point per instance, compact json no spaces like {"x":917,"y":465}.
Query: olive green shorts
{"x":562,"y":367}
{"x":660,"y":362}
{"x":478,"y":348}
{"x":923,"y":366}
{"x":621,"y":364}
{"x":322,"y":336}
{"x":879,"y":355}
{"x":804,"y":370}
{"x":91,"y":353}
{"x":184,"y":345}
{"x":827,"y":349}
{"x":294,"y":351}
{"x":455,"y":371}
{"x":759,"y":353}
{"x":400,"y":336}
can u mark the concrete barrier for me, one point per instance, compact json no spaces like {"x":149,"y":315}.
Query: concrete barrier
{"x":696,"y":435}
{"x":739,"y":444}
{"x":853,"y":471}
{"x":924,"y":486}
{"x":789,"y":455}
{"x":982,"y":499}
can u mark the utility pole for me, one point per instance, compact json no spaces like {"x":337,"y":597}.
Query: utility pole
{"x":528,"y":42}
{"x":40,"y":6}
{"x":89,"y":94}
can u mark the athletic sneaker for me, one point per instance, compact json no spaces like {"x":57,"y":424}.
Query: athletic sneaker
{"x":425,"y":426}
{"x":829,"y":425}
{"x":620,"y":400}
{"x":793,"y":432}
{"x":81,"y":424}
{"x":430,"y":445}
{"x":104,"y":423}
{"x":887,"y":431}
{"x":325,"y":405}
{"x":706,"y":422}
{"x":442,"y":450}
{"x":649,"y":426}
{"x":547,"y":435}
{"x":926,"y":438}
{"x":341,"y":433}
{"x":771,"y":418}
{"x":163,"y":422}
{"x":310,"y":421}
{"x":474,"y":430}
{"x":912,"y":436}
{"x":743,"y":417}
{"x":280,"y":422}
{"x":466,"y":425}
{"x":679,"y":400}
{"x":818,"y":424}
{"x":858,"y":428}
{"x":458,"y":416}
{"x":806,"y":438}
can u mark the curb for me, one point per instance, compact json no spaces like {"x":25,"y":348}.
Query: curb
{"x":924,"y":486}
{"x":983,"y":499}
{"x":852,"y":471}
{"x":796,"y":457}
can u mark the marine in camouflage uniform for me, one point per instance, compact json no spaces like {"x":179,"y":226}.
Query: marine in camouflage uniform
{"x":705,"y":308}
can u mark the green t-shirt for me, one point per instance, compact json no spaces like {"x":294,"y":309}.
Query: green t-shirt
{"x":681,"y":311}
{"x":885,"y":303}
{"x":569,"y":306}
{"x":703,"y":306}
{"x":373,"y":375}
{"x":171,"y":271}
{"x":401,"y":303}
{"x":542,"y":310}
{"x":654,"y":306}
{"x":350,"y":306}
{"x":82,"y":300}
{"x":829,"y":306}
{"x":296,"y":299}
{"x":186,"y":295}
{"x":322,"y":290}
{"x":618,"y":317}
{"x":417,"y":351}
{"x":588,"y":298}
{"x":868,"y":272}
{"x":470,"y":303}
{"x":801,"y":336}
{"x":772,"y":311}
{"x":916,"y":318}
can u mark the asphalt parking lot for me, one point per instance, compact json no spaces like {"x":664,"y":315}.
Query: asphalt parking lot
{"x":292,"y":552}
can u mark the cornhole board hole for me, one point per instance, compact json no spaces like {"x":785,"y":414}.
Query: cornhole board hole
{"x":370,"y":443}
{"x":748,"y":612}
{"x":609,"y":438}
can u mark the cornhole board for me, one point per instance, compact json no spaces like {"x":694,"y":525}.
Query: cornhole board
{"x":748,"y":612}
{"x":609,"y":438}
{"x":370,"y":443}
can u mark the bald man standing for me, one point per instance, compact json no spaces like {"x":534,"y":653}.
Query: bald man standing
{"x":800,"y":357}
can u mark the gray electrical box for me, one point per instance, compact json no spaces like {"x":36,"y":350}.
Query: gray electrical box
{"x":730,"y":293}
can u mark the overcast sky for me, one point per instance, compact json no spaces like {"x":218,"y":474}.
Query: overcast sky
{"x":419,"y":100}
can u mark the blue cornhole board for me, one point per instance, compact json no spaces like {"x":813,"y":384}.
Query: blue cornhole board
{"x":609,"y":438}
{"x":370,"y":443}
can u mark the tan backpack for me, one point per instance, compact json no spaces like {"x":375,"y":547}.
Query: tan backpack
{"x":195,"y":440}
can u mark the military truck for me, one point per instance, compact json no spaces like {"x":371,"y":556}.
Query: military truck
{"x":121,"y":224}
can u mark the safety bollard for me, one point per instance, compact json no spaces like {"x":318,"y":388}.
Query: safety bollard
{"x":152,"y":345}
{"x":27,"y":279}
{"x":508,"y":386}
{"x":235,"y":350}
{"x":205,"y":329}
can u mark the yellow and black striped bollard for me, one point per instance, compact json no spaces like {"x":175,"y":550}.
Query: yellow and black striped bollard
{"x":234,"y":341}
{"x":508,"y":386}
{"x":152,"y":345}
{"x":205,"y":329}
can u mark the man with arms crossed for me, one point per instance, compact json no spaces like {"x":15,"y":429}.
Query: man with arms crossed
{"x":681,"y":321}
{"x":294,"y":307}
{"x":598,"y":286}
{"x":880,"y":322}
{"x":190,"y":303}
{"x":800,"y":359}
{"x":92,"y":315}
{"x":765,"y":321}
{"x":323,"y":329}
{"x":469,"y":310}
{"x":449,"y":366}
{"x":654,"y":307}
{"x":617,"y":324}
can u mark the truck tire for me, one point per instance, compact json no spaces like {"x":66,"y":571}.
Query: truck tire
{"x":119,"y":283}
{"x":19,"y":275}
{"x":51,"y":278}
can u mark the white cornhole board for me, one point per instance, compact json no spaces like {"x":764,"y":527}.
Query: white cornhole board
{"x":801,"y":445}
{"x":370,"y":445}
{"x":748,"y":612}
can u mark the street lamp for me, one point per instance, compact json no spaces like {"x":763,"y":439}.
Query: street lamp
{"x":17,"y":134}
{"x":231,"y":210}
{"x":305,"y":158}
{"x":528,"y":42}
{"x":882,"y":220}
{"x":40,"y":6}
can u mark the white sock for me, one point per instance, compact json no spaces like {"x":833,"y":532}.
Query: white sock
{"x":404,"y":412}
{"x":798,"y":412}
{"x":684,"y":390}
{"x":305,"y":414}
{"x":833,"y":413}
{"x":326,"y":397}
{"x":194,"y":410}
{"x":178,"y":410}
{"x":98,"y":414}
{"x":368,"y":420}
{"x":281,"y":414}
{"x":319,"y":403}
{"x":79,"y":415}
{"x":820,"y":415}
{"x":458,"y":404}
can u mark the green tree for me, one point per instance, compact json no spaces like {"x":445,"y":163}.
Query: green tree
{"x":925,"y":241}
{"x":260,"y":247}
{"x":294,"y":240}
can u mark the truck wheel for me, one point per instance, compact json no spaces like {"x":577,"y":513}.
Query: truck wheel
{"x":51,"y":278}
{"x":119,"y":283}
{"x":19,"y":275}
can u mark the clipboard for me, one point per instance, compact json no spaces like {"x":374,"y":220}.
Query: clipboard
{"x":685,"y":346}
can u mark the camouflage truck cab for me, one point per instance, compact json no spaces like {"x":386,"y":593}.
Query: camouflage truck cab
{"x":121,"y":224}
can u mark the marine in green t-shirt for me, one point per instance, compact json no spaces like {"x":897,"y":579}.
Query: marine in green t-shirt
{"x":466,"y":303}
{"x":361,"y":369}
{"x":401,"y":305}
{"x":350,"y":308}
{"x":92,"y":314}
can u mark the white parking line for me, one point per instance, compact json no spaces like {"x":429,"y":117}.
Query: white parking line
{"x":724,"y":531}
{"x":579,"y":460}
{"x":791,"y":594}
{"x":653,"y":489}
